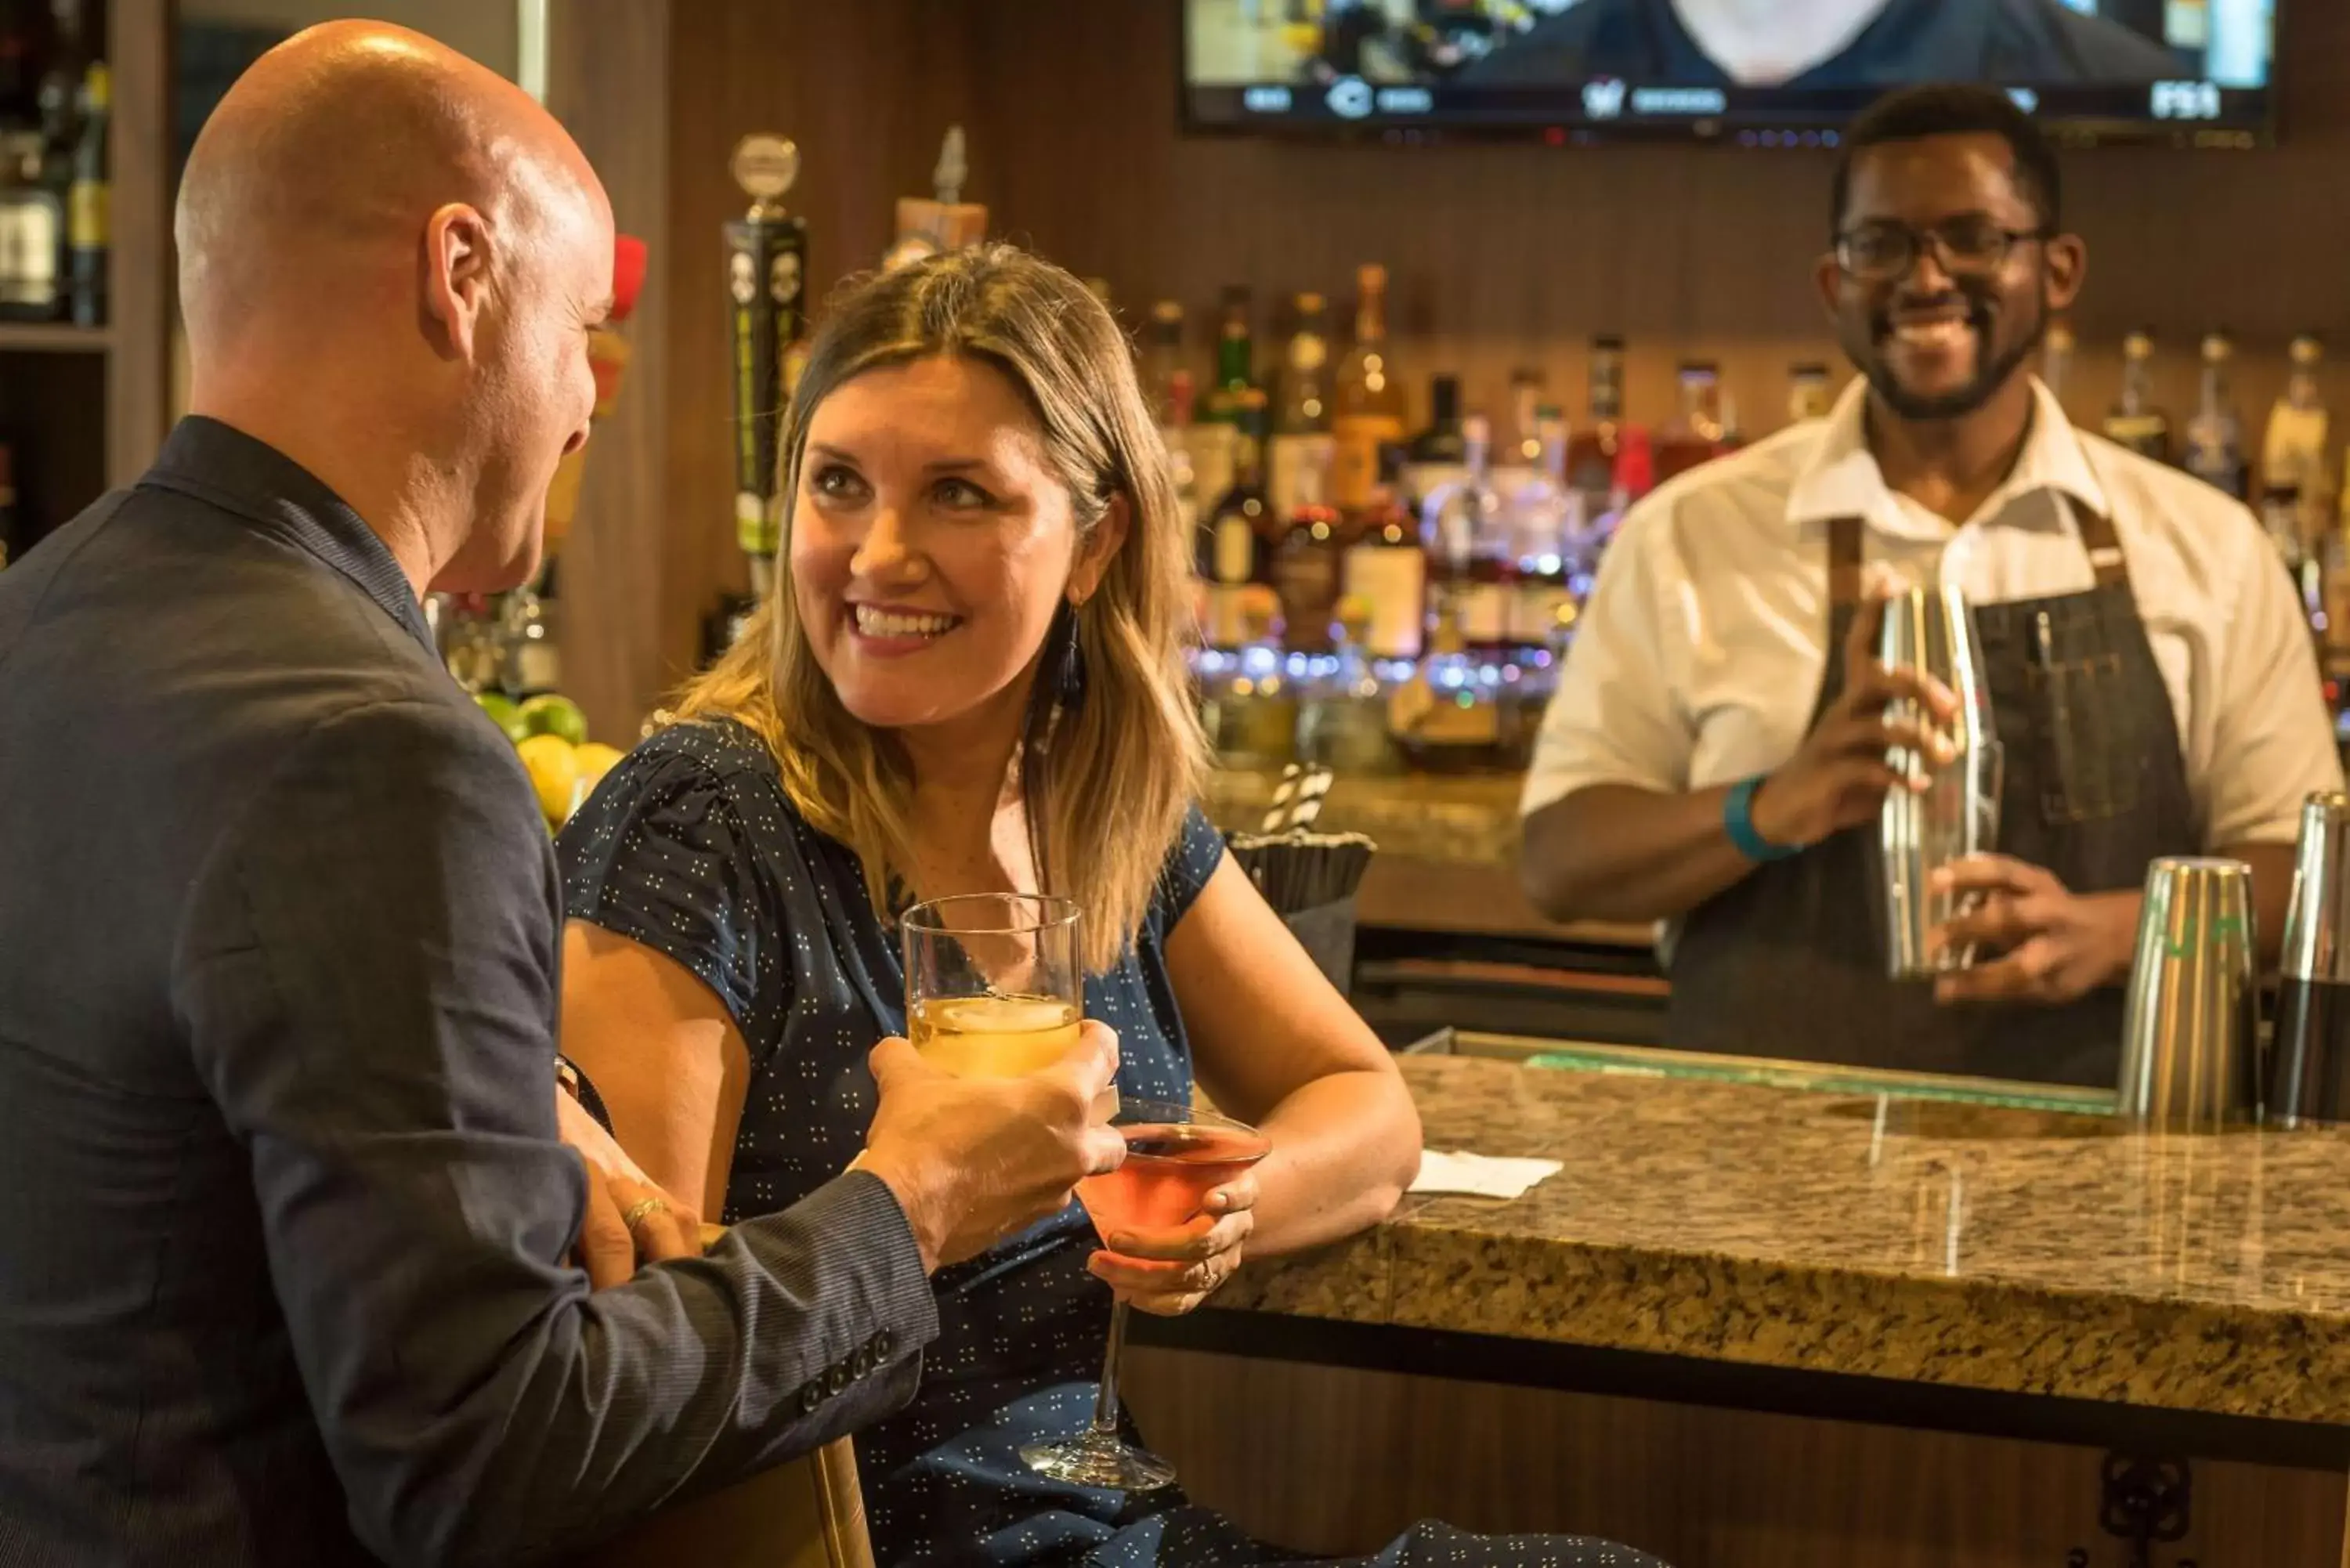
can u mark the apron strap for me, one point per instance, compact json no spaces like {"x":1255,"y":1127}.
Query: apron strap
{"x":2104,"y":547}
{"x":1843,"y":562}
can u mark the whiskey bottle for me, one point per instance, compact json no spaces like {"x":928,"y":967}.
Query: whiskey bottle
{"x":2215,"y":435}
{"x":1591,"y":455}
{"x":1518,"y":457}
{"x":2137,"y":421}
{"x":1694,"y":437}
{"x":1468,"y":552}
{"x":90,"y":203}
{"x":2293,"y":455}
{"x":1435,"y":457}
{"x":1386,"y":571}
{"x":1301,"y":452}
{"x":1163,"y":359}
{"x":1306,"y":569}
{"x":1367,"y":403}
{"x":1235,"y":548}
{"x":1445,"y":719}
{"x":1808,"y":396}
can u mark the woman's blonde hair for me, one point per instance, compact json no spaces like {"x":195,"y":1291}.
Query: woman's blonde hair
{"x":1112,"y":757}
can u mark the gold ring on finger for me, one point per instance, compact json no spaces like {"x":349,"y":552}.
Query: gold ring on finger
{"x":637,"y":1212}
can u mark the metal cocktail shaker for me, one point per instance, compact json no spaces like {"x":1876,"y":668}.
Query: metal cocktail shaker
{"x":2309,"y":1060}
{"x":2191,"y":1033}
{"x":1932,"y":630}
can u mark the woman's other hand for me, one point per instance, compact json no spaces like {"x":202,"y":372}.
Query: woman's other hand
{"x":1170,"y":1273}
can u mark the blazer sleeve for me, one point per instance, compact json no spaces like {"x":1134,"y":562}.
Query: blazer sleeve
{"x":369,"y":979}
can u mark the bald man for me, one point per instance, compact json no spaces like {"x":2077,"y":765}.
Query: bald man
{"x":284,"y":1216}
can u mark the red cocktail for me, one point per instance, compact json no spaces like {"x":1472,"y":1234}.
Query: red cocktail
{"x":1175,"y":1157}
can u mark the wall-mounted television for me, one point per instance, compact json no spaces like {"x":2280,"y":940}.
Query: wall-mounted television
{"x":1752,"y":72}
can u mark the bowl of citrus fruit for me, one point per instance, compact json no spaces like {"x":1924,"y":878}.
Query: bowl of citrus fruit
{"x":551,"y":735}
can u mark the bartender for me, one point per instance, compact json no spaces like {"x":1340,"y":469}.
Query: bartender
{"x":1715,"y":757}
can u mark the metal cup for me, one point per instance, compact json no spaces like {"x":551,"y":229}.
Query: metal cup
{"x":2309,"y":1060}
{"x":1932,"y":630}
{"x":2190,"y":1031}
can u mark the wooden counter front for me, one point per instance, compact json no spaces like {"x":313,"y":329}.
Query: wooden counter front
{"x":1753,"y":1327}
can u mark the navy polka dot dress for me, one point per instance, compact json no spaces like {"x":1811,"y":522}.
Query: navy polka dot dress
{"x":689,"y":848}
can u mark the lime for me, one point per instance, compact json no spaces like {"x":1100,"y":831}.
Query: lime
{"x":553,"y":716}
{"x":503,"y":713}
{"x":554,"y":767}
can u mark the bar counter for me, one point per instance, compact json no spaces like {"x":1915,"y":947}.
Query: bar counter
{"x":1853,"y":1267}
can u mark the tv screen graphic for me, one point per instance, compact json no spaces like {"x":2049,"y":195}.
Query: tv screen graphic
{"x":1758,"y":71}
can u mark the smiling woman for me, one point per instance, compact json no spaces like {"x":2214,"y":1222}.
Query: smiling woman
{"x":972,"y":683}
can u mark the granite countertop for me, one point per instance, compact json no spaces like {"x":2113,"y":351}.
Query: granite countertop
{"x":2009,"y":1249}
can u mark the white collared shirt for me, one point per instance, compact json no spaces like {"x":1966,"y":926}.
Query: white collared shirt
{"x":1698,"y":659}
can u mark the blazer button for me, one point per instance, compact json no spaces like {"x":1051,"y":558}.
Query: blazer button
{"x":836,"y":1378}
{"x":811,"y":1396}
{"x":885,"y":1345}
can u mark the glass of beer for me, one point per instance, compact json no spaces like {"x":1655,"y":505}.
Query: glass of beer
{"x":993,"y":985}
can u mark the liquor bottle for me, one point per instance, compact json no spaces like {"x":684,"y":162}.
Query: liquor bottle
{"x":1175,"y":436}
{"x":1235,"y":548}
{"x":1306,"y":569}
{"x":2056,"y":352}
{"x":1518,"y":457}
{"x":2215,"y":435}
{"x":1235,"y":358}
{"x":1342,"y":713}
{"x":1367,"y":405}
{"x":32,"y":228}
{"x":1163,"y":359}
{"x":1694,"y":437}
{"x":2293,"y":453}
{"x":1468,"y":551}
{"x":1215,"y":435}
{"x":1591,"y":455}
{"x":1435,"y":457}
{"x":1445,"y":719}
{"x":2137,"y":421}
{"x":1548,"y":532}
{"x":1248,"y":705}
{"x":1386,"y":570}
{"x":1301,"y":454}
{"x":88,"y":207}
{"x":1808,"y":396}
{"x":1634,"y":477}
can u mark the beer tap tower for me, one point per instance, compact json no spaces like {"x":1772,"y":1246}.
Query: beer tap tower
{"x":766,"y":272}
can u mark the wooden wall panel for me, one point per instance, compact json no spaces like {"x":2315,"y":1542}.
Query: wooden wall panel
{"x":1329,"y":1460}
{"x":608,"y":81}
{"x":1501,"y":256}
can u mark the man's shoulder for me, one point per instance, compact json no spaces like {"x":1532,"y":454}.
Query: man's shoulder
{"x":2212,"y":536}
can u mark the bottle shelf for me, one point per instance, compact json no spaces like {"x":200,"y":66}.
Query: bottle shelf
{"x":54,"y":337}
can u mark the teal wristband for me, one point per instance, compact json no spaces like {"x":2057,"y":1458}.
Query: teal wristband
{"x":1738,"y":816}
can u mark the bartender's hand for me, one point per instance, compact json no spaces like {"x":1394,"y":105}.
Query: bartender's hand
{"x":2055,"y":945}
{"x":1839,"y":777}
{"x":610,"y":1249}
{"x":1168,"y":1273}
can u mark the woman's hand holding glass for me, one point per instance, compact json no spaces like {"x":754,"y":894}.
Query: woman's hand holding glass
{"x":1167,"y":1272}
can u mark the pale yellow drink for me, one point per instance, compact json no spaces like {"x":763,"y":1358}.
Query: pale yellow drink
{"x":994,"y":1036}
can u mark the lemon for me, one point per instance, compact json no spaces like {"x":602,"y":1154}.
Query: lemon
{"x":596,"y":760}
{"x":554,"y":767}
{"x":553,"y":715}
{"x":503,"y":713}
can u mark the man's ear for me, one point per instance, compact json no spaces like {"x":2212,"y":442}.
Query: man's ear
{"x":456,"y":268}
